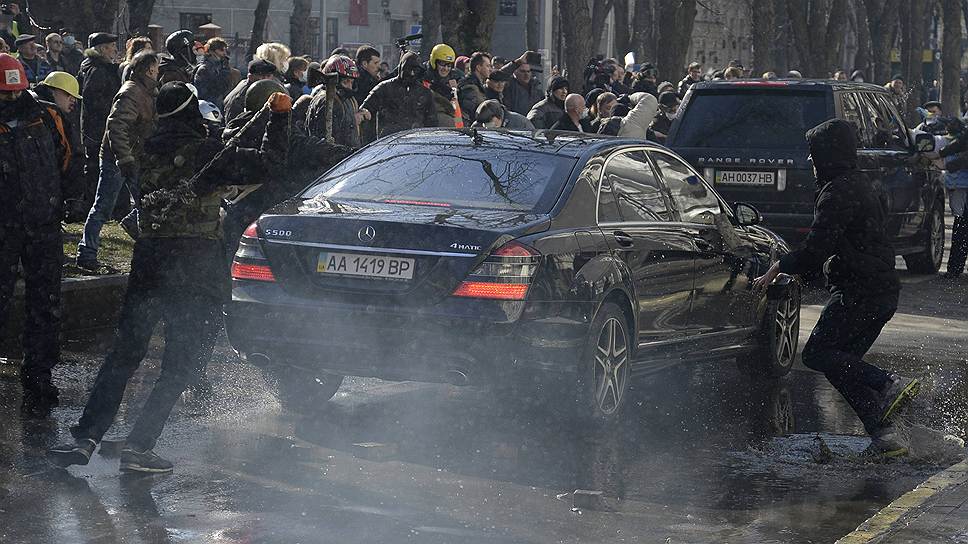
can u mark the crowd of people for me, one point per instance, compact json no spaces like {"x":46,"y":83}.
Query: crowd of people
{"x":186,"y":151}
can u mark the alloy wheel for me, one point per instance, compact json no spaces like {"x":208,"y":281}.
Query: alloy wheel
{"x":611,"y":366}
{"x":937,"y":238}
{"x":787,"y":330}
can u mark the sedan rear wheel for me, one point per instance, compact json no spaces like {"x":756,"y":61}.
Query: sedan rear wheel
{"x":604,"y":378}
{"x":304,"y":392}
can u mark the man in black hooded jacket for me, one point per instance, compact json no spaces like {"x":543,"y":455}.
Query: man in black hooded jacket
{"x":848,"y":241}
{"x":402,"y":102}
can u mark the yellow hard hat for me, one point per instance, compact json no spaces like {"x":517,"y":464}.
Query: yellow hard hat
{"x":442,"y":52}
{"x":64,"y":82}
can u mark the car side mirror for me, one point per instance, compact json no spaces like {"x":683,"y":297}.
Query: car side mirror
{"x":746,"y":215}
{"x":924,"y":142}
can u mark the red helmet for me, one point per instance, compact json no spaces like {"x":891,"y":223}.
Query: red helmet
{"x":12,"y":74}
{"x":342,"y":65}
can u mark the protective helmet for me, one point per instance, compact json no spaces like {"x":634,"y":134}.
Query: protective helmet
{"x":179,"y":44}
{"x":442,"y":52}
{"x":14,"y":77}
{"x":342,"y":65}
{"x":64,"y":82}
{"x":209,"y":111}
{"x":259,"y":92}
{"x":174,"y":97}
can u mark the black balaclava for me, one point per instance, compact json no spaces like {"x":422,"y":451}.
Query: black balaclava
{"x":833,"y":149}
{"x":554,"y":84}
{"x":409,"y":66}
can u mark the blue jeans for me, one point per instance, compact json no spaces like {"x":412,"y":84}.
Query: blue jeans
{"x":109,"y":184}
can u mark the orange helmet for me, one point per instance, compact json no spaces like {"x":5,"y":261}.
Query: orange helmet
{"x":12,"y":74}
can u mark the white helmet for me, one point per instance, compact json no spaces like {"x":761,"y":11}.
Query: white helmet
{"x":209,"y":111}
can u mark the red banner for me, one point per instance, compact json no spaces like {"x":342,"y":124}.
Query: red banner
{"x":358,"y":13}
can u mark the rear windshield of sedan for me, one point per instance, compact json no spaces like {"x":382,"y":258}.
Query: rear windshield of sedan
{"x":754,"y":119}
{"x":448,"y":175}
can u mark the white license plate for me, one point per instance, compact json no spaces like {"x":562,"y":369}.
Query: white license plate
{"x":735,"y":177}
{"x":368,"y":266}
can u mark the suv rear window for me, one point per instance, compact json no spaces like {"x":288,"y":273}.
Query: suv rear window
{"x":757,"y":119}
{"x":448,"y":175}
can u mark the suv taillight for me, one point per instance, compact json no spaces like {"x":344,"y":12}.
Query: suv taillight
{"x":504,"y":275}
{"x":249,"y":262}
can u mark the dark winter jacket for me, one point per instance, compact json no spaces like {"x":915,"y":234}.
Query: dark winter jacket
{"x":36,"y":69}
{"x":643,"y":85}
{"x":100,"y":81}
{"x":234,"y":102}
{"x":212,"y":80}
{"x":132,"y":119}
{"x":519,"y":98}
{"x":364,"y":85}
{"x":847,"y":238}
{"x":471,"y":91}
{"x":172,"y":69}
{"x":345,"y":130}
{"x":308,"y":158}
{"x":402,"y":102}
{"x":565,"y":123}
{"x":35,"y":162}
{"x":546,"y":112}
{"x":661,"y":125}
{"x":684,"y":85}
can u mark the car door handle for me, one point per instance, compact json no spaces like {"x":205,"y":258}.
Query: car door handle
{"x":623,"y":239}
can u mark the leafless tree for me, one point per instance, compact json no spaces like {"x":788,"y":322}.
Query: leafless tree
{"x":532,"y":24}
{"x":763,"y":30}
{"x":577,"y":39}
{"x":430,"y":26}
{"x":882,"y":20}
{"x":673,"y":33}
{"x":951,"y":17}
{"x":914,"y":20}
{"x":299,"y":33}
{"x":259,"y":26}
{"x":819,"y":30}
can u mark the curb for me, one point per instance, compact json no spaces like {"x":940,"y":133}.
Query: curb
{"x":87,"y":303}
{"x":906,"y":506}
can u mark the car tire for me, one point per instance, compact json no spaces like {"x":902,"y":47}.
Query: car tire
{"x":929,"y":260}
{"x":778,"y":339}
{"x":604,"y":370}
{"x":302,"y":391}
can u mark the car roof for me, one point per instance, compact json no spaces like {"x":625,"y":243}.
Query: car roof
{"x":552,"y":142}
{"x":788,"y":84}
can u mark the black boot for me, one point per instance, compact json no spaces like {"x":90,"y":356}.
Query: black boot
{"x":959,"y":248}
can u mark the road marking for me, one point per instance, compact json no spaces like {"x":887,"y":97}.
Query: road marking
{"x":882,"y":522}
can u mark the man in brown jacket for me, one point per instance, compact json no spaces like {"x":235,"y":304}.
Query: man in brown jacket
{"x":132,"y":119}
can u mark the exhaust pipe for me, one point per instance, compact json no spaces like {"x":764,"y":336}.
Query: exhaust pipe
{"x":258,"y":359}
{"x":456,"y":377}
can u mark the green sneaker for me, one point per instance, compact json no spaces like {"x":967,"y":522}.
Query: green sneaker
{"x":885,"y":445}
{"x":898,"y":395}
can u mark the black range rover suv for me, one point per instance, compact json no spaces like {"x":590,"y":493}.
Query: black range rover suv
{"x":747,"y":138}
{"x":516,"y":259}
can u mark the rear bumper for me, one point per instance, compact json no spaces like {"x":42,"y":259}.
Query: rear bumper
{"x":395,"y":344}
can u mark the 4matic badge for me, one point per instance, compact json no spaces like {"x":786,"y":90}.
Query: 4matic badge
{"x":465,"y":247}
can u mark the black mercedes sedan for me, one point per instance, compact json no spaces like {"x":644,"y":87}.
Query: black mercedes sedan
{"x":536,"y":263}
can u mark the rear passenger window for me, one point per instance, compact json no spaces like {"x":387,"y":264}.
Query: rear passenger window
{"x":856,"y":112}
{"x":607,"y":209}
{"x":888,"y":130}
{"x":636,"y":188}
{"x":696,"y":202}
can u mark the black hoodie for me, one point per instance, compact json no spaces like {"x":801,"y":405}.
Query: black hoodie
{"x":402,"y":102}
{"x":847,"y":238}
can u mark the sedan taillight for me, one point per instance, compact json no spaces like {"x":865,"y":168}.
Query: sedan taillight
{"x":249,"y":262}
{"x":505,"y":274}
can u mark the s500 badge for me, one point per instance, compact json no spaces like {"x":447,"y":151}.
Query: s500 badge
{"x":279,"y":233}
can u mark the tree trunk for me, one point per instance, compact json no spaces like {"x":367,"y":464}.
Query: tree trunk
{"x":600,"y":9}
{"x":577,"y":40}
{"x":299,"y":34}
{"x":643,"y":31}
{"x":763,"y":30}
{"x":882,"y":20}
{"x":450,"y":25}
{"x":477,"y":25}
{"x":623,"y":33}
{"x":951,"y":16}
{"x":914,"y":24}
{"x":139,"y":15}
{"x":836,"y":35}
{"x":82,"y":16}
{"x":259,"y":27}
{"x":430,"y":27}
{"x":674,"y":32}
{"x":533,"y":25}
{"x":781,"y":38}
{"x":862,"y":59}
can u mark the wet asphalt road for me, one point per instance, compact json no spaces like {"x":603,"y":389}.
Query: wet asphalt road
{"x":703,"y":456}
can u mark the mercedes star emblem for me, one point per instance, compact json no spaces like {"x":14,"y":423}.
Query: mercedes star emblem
{"x":367,"y":234}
